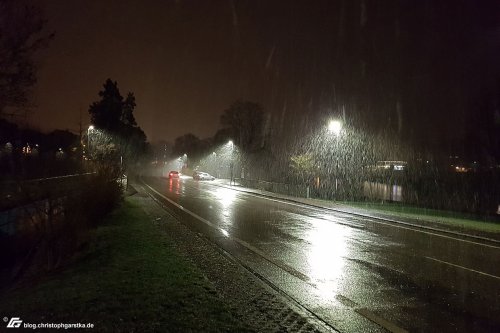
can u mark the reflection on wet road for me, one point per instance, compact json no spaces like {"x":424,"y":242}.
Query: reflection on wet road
{"x":356,"y":273}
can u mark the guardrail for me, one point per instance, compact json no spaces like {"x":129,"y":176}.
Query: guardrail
{"x":42,"y":220}
{"x":18,"y":193}
{"x":23,"y":200}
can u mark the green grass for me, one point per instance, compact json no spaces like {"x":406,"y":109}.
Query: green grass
{"x":129,"y":279}
{"x":455,"y":219}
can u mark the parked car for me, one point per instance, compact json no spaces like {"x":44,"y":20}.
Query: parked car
{"x":198,"y":175}
{"x":173,"y":174}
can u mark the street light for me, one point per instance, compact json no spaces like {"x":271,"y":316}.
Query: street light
{"x":185,"y":162}
{"x":180,"y":162}
{"x":90,"y":129}
{"x":231,"y":165}
{"x":214,"y":156}
{"x":335,"y":127}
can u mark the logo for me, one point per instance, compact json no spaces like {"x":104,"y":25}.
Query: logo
{"x":14,"y":322}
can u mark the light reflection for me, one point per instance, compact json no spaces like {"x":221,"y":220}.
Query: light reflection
{"x":226,"y":198}
{"x":327,"y":255}
{"x":224,"y":232}
{"x":174,"y":186}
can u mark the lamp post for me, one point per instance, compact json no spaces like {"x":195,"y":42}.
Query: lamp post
{"x":214,"y":155}
{"x":184,"y":162}
{"x":90,"y":129}
{"x":179,"y":163}
{"x":335,"y":129}
{"x":231,"y":164}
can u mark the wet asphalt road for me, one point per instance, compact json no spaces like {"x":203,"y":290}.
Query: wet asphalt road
{"x":355,"y":273}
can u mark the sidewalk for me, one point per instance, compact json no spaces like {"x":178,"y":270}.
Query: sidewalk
{"x":456,"y":226}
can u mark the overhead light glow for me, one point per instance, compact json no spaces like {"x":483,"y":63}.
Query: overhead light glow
{"x":335,"y":127}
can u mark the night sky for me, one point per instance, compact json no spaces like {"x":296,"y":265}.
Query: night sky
{"x":421,"y":65}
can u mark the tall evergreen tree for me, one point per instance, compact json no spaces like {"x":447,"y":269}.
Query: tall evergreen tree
{"x":114,"y":116}
{"x":107,"y":113}
{"x":127,"y":117}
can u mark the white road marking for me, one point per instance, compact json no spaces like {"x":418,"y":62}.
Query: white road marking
{"x":468,"y":269}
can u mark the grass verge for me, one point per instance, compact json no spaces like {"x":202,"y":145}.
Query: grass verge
{"x":455,"y":219}
{"x":128,"y":279}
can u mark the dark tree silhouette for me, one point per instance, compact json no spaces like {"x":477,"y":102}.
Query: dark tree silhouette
{"x":107,"y":113}
{"x":222,"y":136}
{"x":21,"y":35}
{"x":188,"y":144}
{"x":60,"y":139}
{"x":245,"y":120}
{"x":127,"y":117}
{"x":114,"y":117}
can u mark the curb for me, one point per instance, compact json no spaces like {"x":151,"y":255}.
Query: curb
{"x":407,"y":224}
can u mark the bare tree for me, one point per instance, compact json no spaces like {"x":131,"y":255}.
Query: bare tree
{"x":21,"y":36}
{"x":246,"y":122}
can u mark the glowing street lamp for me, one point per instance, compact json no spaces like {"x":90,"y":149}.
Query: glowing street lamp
{"x":90,"y":129}
{"x":335,"y":127}
{"x":231,"y":165}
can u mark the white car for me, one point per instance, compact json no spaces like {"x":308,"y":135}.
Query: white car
{"x":198,"y":175}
